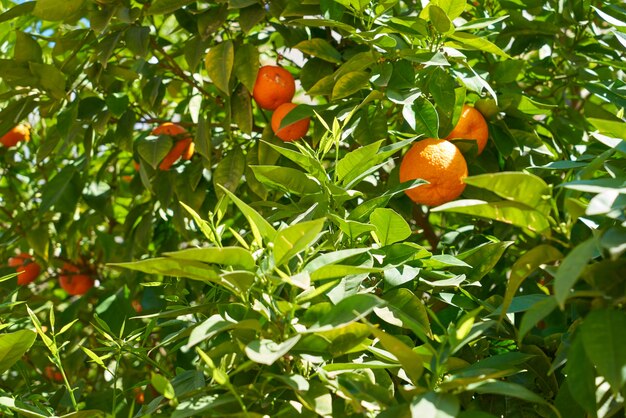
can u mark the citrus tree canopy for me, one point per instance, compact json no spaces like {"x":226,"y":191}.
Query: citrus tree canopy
{"x":318,"y":208}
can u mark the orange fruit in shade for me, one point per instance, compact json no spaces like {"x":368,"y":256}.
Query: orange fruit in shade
{"x":52,"y":373}
{"x":136,"y":305}
{"x":27,"y":269}
{"x":292,"y":131}
{"x":183,"y":145}
{"x":73,"y":281}
{"x":273,"y":86}
{"x":19,"y":133}
{"x":441,"y":164}
{"x":471,"y":125}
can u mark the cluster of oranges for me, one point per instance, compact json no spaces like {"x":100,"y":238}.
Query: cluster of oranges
{"x":273,"y":90}
{"x":440,"y":162}
{"x":73,"y":279}
{"x":183,"y":144}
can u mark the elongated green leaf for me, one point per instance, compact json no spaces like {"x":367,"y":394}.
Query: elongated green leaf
{"x":411,"y":362}
{"x":356,"y":162}
{"x":351,"y":228}
{"x":524,"y":266}
{"x":310,"y":164}
{"x":230,"y":256}
{"x":163,"y":386}
{"x":85,"y":413}
{"x":535,"y":314}
{"x":22,"y":408}
{"x":332,"y":258}
{"x":216,"y":324}
{"x":247,"y":64}
{"x":295,"y":238}
{"x":571,"y":268}
{"x":604,"y":340}
{"x":261,"y":229}
{"x":172,"y":267}
{"x":340,"y":270}
{"x":201,"y":223}
{"x":219,"y":64}
{"x":267,"y":351}
{"x":286,"y":179}
{"x":13,"y":346}
{"x":390,"y":226}
{"x":19,"y":10}
{"x":435,"y":405}
{"x":482,"y":258}
{"x":349,"y":310}
{"x":439,"y":19}
{"x":481,"y":23}
{"x":349,"y":84}
{"x":160,"y":7}
{"x":452,"y":8}
{"x":62,"y":191}
{"x":513,"y":390}
{"x":581,"y":376}
{"x":153,"y":151}
{"x":422,"y":117}
{"x":229,"y":171}
{"x":320,"y":48}
{"x":55,"y":10}
{"x":516,"y":186}
{"x":469,"y":41}
{"x":509,"y":212}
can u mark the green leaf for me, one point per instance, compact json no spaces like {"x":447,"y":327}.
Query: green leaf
{"x":201,"y":223}
{"x":22,"y":408}
{"x":267,"y":351}
{"x":50,"y":78}
{"x":332,"y":258}
{"x":422,"y":117}
{"x":524,"y":266}
{"x":26,"y":48}
{"x":55,"y":10}
{"x":13,"y":346}
{"x":172,"y":267}
{"x":229,"y":171}
{"x":581,"y":377}
{"x":516,"y":186}
{"x":351,"y":228}
{"x":309,"y":163}
{"x":286,"y":179}
{"x":349,"y":310}
{"x":216,"y":324}
{"x":435,"y":405}
{"x":17,"y":11}
{"x":452,"y":8}
{"x":219,"y":63}
{"x":261,"y":229}
{"x":320,"y":48}
{"x":439,"y":19}
{"x":503,"y":388}
{"x":603,"y":337}
{"x":349,"y":84}
{"x":229,"y":256}
{"x":153,"y":151}
{"x":535,"y":314}
{"x":163,"y":386}
{"x":571,"y":268}
{"x":93,"y":356}
{"x":356,"y":162}
{"x":62,"y":191}
{"x":295,"y":238}
{"x":241,"y":109}
{"x":469,"y":41}
{"x":85,"y":413}
{"x":339,"y":270}
{"x":247,"y":64}
{"x":509,"y":212}
{"x":390,"y":226}
{"x":160,"y":7}
{"x":482,"y":258}
{"x":411,"y":362}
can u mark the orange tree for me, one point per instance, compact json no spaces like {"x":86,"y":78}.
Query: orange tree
{"x":211,"y":269}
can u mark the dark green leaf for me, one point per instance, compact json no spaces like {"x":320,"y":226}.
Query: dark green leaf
{"x":219,"y":63}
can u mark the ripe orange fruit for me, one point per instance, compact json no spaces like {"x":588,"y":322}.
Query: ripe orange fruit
{"x":471,"y":125}
{"x":136,"y":305}
{"x":292,"y":131}
{"x":273,"y":87}
{"x":52,"y":373}
{"x":19,"y":133}
{"x":439,"y":162}
{"x":73,"y":281}
{"x":139,"y":396}
{"x":183,"y":145}
{"x":26,"y":268}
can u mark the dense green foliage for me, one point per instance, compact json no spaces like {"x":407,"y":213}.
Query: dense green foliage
{"x":297,"y":279}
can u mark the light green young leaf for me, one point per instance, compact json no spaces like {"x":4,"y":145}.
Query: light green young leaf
{"x":267,"y":351}
{"x":469,"y":41}
{"x":295,"y":238}
{"x":261,"y":229}
{"x":390,"y":226}
{"x":163,"y":386}
{"x":55,"y":10}
{"x":411,"y":362}
{"x":435,"y":405}
{"x":229,"y":256}
{"x":286,"y":179}
{"x":13,"y":346}
{"x":509,"y":212}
